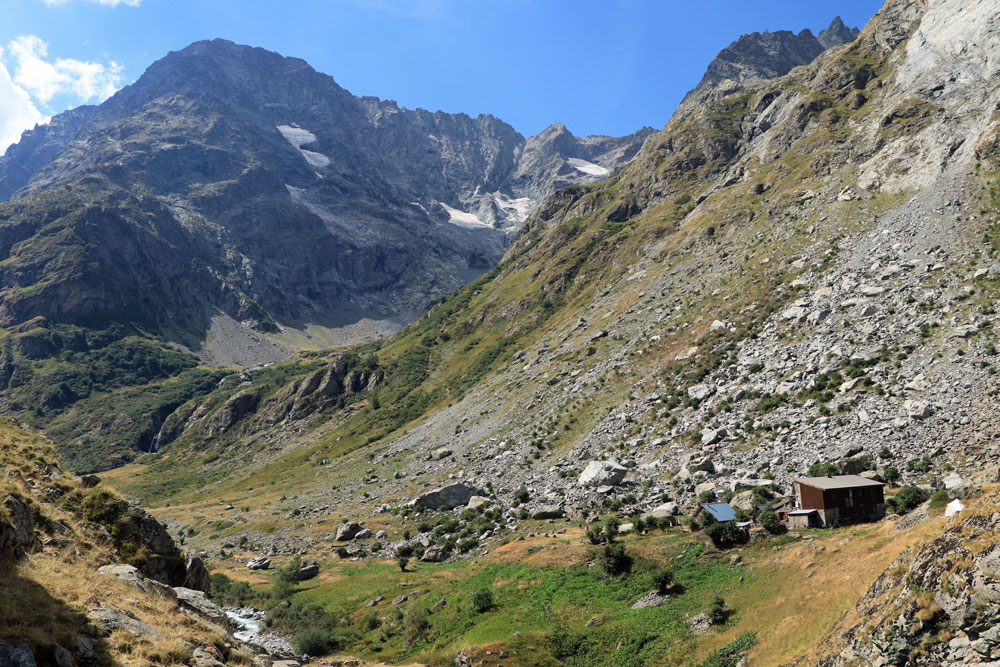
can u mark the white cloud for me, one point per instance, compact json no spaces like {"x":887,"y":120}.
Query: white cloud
{"x":45,"y":79}
{"x":108,"y":3}
{"x":17,"y":113}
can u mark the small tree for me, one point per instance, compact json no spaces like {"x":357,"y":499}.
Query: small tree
{"x":891,"y":475}
{"x":613,"y":559}
{"x":771,"y":523}
{"x":402,"y":561}
{"x":482,"y":600}
{"x":726,"y":534}
{"x":291,"y":573}
{"x":610,"y":529}
{"x":663,"y":580}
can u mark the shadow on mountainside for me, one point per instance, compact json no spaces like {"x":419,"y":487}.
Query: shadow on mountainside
{"x":30,"y":615}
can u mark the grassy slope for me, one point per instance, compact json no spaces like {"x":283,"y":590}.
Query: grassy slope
{"x":544,"y":588}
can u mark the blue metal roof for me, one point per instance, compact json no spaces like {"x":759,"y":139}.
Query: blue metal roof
{"x":720,"y":511}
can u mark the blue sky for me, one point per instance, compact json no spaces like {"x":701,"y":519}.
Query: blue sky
{"x":599,"y":66}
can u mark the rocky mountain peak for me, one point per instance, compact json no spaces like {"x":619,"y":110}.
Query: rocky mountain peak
{"x":757,"y":57}
{"x":837,"y":33}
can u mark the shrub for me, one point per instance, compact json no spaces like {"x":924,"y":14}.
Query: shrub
{"x":313,"y":641}
{"x":482,"y":600}
{"x":891,"y":475}
{"x":771,"y":523}
{"x":726,"y":534}
{"x":282,"y":589}
{"x":939,"y":499}
{"x":291,"y":572}
{"x":717,"y":612}
{"x":225,"y":590}
{"x":907,"y":498}
{"x":613,"y":560}
{"x":402,"y":561}
{"x":522,"y":495}
{"x":663,"y":580}
{"x":564,"y":644}
{"x":823,"y":469}
{"x":416,"y":625}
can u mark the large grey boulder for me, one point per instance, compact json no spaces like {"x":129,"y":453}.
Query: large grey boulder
{"x":348,"y":530}
{"x":89,"y":481}
{"x":602,"y":473}
{"x":109,"y":619}
{"x":308,"y":570}
{"x":16,"y":657}
{"x":700,"y":392}
{"x":447,"y":497}
{"x":259,"y":563}
{"x":662,"y":511}
{"x":435,"y":554}
{"x":548,"y":512}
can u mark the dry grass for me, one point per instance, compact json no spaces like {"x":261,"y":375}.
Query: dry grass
{"x":797,"y":600}
{"x":45,"y":598}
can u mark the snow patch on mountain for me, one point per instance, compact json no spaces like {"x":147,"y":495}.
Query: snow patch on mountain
{"x":587,"y":167}
{"x":300,"y":137}
{"x":461,"y":218}
{"x":296,"y":136}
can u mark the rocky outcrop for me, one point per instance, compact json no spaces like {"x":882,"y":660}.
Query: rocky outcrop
{"x":198,"y":603}
{"x":109,"y":619}
{"x":757,"y":57}
{"x":196,"y":575}
{"x":17,"y":528}
{"x":131,"y":575}
{"x":233,"y":410}
{"x":945,"y":586}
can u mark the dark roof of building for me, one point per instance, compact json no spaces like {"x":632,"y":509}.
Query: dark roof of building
{"x":837,"y":482}
{"x":720,"y":511}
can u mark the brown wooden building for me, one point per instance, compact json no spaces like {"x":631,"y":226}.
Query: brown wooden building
{"x":841,"y":498}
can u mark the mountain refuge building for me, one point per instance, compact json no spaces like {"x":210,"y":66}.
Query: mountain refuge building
{"x":835,"y":500}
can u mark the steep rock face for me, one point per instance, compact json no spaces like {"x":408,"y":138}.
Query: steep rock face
{"x":231,"y":183}
{"x":756,"y":57}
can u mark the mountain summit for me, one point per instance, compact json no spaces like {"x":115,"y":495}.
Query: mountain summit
{"x":232,"y":191}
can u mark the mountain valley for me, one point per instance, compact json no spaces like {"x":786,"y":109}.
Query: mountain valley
{"x":426,"y":391}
